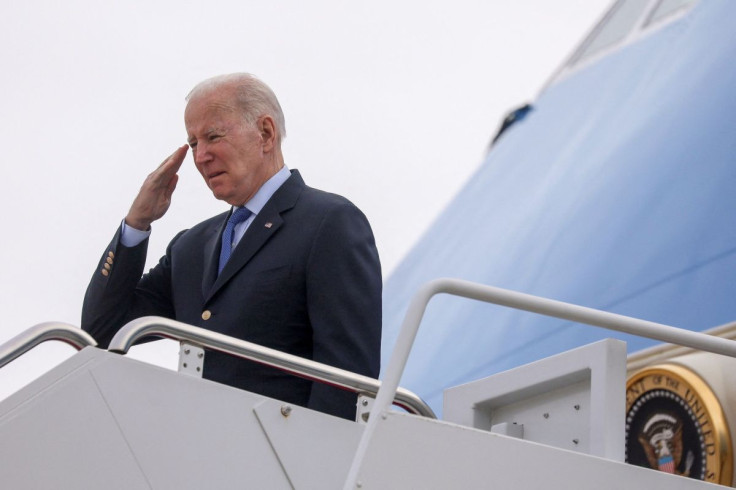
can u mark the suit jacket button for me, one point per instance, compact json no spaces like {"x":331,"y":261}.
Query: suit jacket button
{"x":104,"y":272}
{"x":206,"y":314}
{"x":111,"y":255}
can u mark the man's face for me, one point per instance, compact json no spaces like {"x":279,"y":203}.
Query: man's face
{"x":227,"y":151}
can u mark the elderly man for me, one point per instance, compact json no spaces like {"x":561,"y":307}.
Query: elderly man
{"x":288,"y":267}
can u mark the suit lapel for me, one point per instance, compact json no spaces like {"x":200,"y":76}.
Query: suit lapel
{"x":211,"y":256}
{"x":264,"y":226}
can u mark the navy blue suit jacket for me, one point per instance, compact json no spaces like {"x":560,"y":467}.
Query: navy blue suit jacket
{"x":305,"y":279}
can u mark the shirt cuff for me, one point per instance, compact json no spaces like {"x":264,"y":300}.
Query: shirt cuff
{"x":130,"y":237}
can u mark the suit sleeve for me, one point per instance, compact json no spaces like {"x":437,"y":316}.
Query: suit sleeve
{"x":344,"y":290}
{"x":117,"y":293}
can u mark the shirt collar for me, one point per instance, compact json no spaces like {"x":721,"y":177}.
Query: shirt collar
{"x":261,"y":197}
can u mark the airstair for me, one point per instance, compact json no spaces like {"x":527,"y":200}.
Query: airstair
{"x":103,"y":420}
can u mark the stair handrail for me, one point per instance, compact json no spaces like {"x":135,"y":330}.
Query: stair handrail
{"x":305,"y":368}
{"x":519,"y":301}
{"x":43,"y":332}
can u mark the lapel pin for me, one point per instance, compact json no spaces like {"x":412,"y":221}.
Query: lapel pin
{"x":268,"y":225}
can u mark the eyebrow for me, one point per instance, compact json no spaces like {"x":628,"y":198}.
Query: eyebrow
{"x":207,"y":133}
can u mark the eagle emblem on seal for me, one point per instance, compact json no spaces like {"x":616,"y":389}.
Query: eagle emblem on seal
{"x":661,"y":440}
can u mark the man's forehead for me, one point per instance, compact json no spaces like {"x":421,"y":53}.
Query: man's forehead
{"x":209,"y":112}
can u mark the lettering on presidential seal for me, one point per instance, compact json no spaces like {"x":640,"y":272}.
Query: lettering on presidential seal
{"x":675,"y":424}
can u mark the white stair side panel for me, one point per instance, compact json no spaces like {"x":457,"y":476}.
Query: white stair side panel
{"x":66,"y":438}
{"x":315,"y":450}
{"x":413,"y":452}
{"x":188,"y":432}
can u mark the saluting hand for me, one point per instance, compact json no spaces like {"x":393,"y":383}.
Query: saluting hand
{"x":154,"y":198}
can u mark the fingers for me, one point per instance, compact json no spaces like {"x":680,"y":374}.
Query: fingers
{"x":169,"y":167}
{"x":173,"y":162}
{"x":165,"y":177}
{"x":177,"y":157}
{"x":171,"y":187}
{"x":154,"y":197}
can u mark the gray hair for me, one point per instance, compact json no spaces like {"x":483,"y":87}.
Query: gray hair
{"x":253,"y":97}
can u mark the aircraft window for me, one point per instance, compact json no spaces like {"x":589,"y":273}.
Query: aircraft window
{"x":617,"y":25}
{"x":666,"y":8}
{"x":625,"y":22}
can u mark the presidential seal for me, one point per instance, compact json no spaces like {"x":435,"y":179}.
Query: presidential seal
{"x":674,"y":423}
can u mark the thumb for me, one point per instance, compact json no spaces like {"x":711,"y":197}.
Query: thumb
{"x":172,"y":185}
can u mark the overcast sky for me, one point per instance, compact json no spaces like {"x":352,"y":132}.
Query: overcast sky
{"x":391,"y":104}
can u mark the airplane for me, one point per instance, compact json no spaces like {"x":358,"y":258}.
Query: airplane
{"x":611,"y":190}
{"x":603,"y":202}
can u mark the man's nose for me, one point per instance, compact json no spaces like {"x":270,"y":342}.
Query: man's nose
{"x":201,"y":153}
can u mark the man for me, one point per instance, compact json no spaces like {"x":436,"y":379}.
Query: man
{"x":300,"y":274}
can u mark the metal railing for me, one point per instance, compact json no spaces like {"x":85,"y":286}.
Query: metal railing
{"x":519,"y":301}
{"x":30,"y":338}
{"x":172,"y":329}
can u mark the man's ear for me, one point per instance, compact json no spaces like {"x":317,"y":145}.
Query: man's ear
{"x":267,"y":129}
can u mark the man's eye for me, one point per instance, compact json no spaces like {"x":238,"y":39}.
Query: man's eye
{"x":193,"y":145}
{"x":214,"y":137}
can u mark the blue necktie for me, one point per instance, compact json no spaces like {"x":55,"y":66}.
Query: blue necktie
{"x":240,"y":215}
